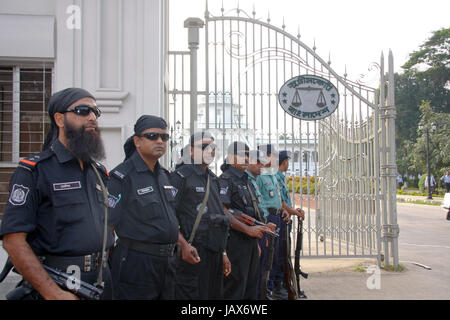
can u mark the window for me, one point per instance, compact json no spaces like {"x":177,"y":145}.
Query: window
{"x":24,"y":122}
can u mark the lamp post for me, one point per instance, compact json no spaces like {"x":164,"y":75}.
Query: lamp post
{"x":427,"y":132}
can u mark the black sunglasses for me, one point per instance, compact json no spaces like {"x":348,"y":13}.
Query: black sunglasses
{"x":84,"y":111}
{"x":212,"y":146}
{"x":154,"y":136}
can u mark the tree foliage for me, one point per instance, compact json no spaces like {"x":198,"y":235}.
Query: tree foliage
{"x":426,"y":77}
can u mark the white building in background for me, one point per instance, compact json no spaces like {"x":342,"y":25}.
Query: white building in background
{"x":231,"y":116}
{"x":116,"y":49}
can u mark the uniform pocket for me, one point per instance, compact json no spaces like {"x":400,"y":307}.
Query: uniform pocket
{"x":147,"y":199}
{"x":65,"y":204}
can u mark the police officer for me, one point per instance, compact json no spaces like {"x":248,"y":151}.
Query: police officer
{"x":271,"y":202}
{"x":55,"y":213}
{"x":283,"y":159}
{"x":204,"y":261}
{"x":257,"y":160}
{"x":242,"y":245}
{"x":142,"y":207}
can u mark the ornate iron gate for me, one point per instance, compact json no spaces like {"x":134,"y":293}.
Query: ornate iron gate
{"x":342,"y":172}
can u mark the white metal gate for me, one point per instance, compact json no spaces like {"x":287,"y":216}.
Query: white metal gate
{"x":343,"y":167}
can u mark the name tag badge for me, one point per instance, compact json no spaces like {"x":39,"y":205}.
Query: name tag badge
{"x":145,"y":190}
{"x":200,"y":189}
{"x":67,"y":186}
{"x":223,"y":191}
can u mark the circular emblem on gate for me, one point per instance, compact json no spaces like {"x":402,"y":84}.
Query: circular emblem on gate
{"x":308,"y":97}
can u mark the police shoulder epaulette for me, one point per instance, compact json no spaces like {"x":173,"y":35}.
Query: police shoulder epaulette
{"x":184,"y":171}
{"x":31,"y":162}
{"x":121,"y":171}
{"x":102,"y":168}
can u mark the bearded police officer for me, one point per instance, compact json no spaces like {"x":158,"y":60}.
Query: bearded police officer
{"x":56,"y":210}
{"x":142,"y":207}
{"x":203,"y":224}
{"x":242,"y":246}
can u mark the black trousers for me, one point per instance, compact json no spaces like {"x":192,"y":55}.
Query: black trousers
{"x":141,"y":276}
{"x":201,"y":281}
{"x":242,"y":283}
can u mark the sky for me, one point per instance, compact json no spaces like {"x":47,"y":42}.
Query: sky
{"x":353,"y":33}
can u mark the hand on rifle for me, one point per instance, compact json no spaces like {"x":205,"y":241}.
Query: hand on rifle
{"x":300,"y":213}
{"x":272,"y":226}
{"x":286,"y":217}
{"x":257,"y":231}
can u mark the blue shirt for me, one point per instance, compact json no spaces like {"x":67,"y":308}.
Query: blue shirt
{"x":284,"y":191}
{"x":270,"y":192}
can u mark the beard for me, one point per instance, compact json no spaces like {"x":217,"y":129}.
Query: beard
{"x":85,"y":145}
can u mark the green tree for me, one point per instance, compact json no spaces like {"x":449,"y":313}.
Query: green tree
{"x":426,"y":76}
{"x":438,"y":125}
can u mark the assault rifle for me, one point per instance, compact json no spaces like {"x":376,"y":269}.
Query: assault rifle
{"x":298,"y":271}
{"x":250,"y":221}
{"x":81,"y":289}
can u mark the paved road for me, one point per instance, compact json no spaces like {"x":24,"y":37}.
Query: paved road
{"x":424,"y":238}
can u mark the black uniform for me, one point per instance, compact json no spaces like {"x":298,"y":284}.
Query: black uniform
{"x":61,"y":208}
{"x":242,"y":250}
{"x":142,"y":207}
{"x":203,"y":280}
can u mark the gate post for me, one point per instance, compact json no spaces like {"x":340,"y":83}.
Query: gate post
{"x":193,"y":25}
{"x":392,"y":162}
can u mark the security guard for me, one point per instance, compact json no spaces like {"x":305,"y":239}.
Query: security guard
{"x":55,"y":213}
{"x":283,"y":159}
{"x":271,"y":202}
{"x":200,"y":273}
{"x":242,"y":246}
{"x":142,"y":208}
{"x":257,"y":160}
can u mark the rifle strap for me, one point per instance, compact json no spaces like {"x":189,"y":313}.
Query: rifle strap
{"x":105,"y":229}
{"x":201,"y":210}
{"x":255,"y":204}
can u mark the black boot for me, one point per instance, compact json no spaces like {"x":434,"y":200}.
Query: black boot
{"x":280,"y":292}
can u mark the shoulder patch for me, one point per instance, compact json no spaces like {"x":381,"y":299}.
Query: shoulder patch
{"x":18,"y":195}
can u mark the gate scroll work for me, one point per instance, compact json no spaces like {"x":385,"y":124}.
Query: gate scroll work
{"x":342,"y":170}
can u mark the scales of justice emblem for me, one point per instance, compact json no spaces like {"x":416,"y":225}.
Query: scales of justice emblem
{"x":309,"y":97}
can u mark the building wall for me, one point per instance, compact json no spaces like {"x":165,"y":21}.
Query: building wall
{"x":118,"y":53}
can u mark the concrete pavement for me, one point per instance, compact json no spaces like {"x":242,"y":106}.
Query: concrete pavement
{"x":424,"y":238}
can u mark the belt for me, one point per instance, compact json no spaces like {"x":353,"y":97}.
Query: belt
{"x":161,"y":250}
{"x":86,"y":263}
{"x":274,"y":211}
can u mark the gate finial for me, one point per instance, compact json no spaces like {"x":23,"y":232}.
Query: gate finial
{"x":254,"y":11}
{"x":298,"y":33}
